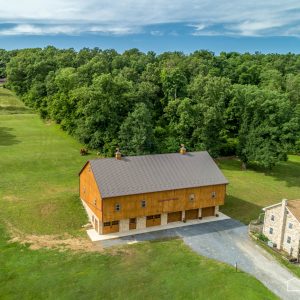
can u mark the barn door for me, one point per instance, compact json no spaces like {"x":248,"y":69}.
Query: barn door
{"x":154,"y":220}
{"x":208,"y":211}
{"x":174,"y":216}
{"x":192,"y":214}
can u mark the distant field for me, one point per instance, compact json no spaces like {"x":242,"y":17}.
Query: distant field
{"x":10,"y":104}
{"x":39,"y":173}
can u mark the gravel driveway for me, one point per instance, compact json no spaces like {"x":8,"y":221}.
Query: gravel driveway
{"x":228,"y":241}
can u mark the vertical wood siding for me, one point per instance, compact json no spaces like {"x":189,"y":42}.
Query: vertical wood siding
{"x":162,"y":202}
{"x":89,"y":192}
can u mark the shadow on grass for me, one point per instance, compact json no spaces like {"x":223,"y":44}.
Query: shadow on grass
{"x":6,"y":137}
{"x":288,"y":171}
{"x":240,"y":209}
{"x":14,"y":110}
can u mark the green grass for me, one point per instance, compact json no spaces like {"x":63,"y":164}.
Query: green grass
{"x":10,"y":104}
{"x":39,"y":173}
{"x":151,"y":270}
{"x":39,"y":177}
{"x":249,"y":191}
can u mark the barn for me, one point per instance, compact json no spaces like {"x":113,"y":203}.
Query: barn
{"x":135,"y":192}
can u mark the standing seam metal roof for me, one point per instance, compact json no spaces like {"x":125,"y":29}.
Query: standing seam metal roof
{"x":153,"y":173}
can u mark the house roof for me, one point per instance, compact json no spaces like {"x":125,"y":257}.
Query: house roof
{"x":271,"y":206}
{"x":294,"y":207}
{"x":152,"y":173}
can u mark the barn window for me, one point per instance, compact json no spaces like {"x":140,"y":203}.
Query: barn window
{"x":95,"y":201}
{"x":106,"y":224}
{"x":271,"y":230}
{"x":192,"y":197}
{"x":117,"y":207}
{"x":290,"y":225}
{"x":288,"y":240}
{"x":213,"y":195}
{"x":115,"y":223}
{"x":272,"y":218}
{"x":143,"y":203}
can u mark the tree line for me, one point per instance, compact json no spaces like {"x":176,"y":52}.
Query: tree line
{"x":228,"y":104}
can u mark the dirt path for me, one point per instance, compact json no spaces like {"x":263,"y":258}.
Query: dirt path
{"x":59,"y":242}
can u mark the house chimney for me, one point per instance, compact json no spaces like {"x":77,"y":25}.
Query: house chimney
{"x":118,"y":154}
{"x":284,"y":202}
{"x":182,"y":149}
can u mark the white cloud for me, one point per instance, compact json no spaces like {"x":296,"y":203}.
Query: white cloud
{"x":156,"y":33}
{"x":27,"y":29}
{"x":235,"y":17}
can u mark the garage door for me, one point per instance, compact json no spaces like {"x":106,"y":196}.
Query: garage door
{"x":208,"y":211}
{"x":192,"y":214}
{"x":153,"y":220}
{"x":174,"y":216}
{"x":110,"y":227}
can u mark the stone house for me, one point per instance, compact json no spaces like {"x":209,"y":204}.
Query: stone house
{"x":282,"y":226}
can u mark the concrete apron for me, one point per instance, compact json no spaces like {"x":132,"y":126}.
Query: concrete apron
{"x":95,"y":236}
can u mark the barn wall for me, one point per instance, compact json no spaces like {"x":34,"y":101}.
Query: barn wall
{"x":162,"y":202}
{"x":89,"y":192}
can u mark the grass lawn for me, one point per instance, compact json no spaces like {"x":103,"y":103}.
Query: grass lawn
{"x":255,"y":188}
{"x":151,"y":270}
{"x":9,"y":103}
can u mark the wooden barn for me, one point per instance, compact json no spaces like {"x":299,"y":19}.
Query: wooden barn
{"x":135,"y":192}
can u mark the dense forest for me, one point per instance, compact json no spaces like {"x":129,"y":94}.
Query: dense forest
{"x":228,"y":104}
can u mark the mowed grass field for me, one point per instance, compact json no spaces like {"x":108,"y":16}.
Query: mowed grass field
{"x":39,"y":174}
{"x":39,"y":195}
{"x":151,"y":270}
{"x":249,"y":191}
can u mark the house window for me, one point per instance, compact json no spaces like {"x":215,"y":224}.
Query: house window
{"x":290,"y":225}
{"x":117,"y":207}
{"x":272,"y":218}
{"x":288,"y":240}
{"x":106,"y":224}
{"x":271,"y":230}
{"x":115,"y":223}
{"x":192,"y":197}
{"x":213,"y":195}
{"x":143,"y":203}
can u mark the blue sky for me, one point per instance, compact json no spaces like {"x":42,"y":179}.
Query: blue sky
{"x":158,"y":25}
